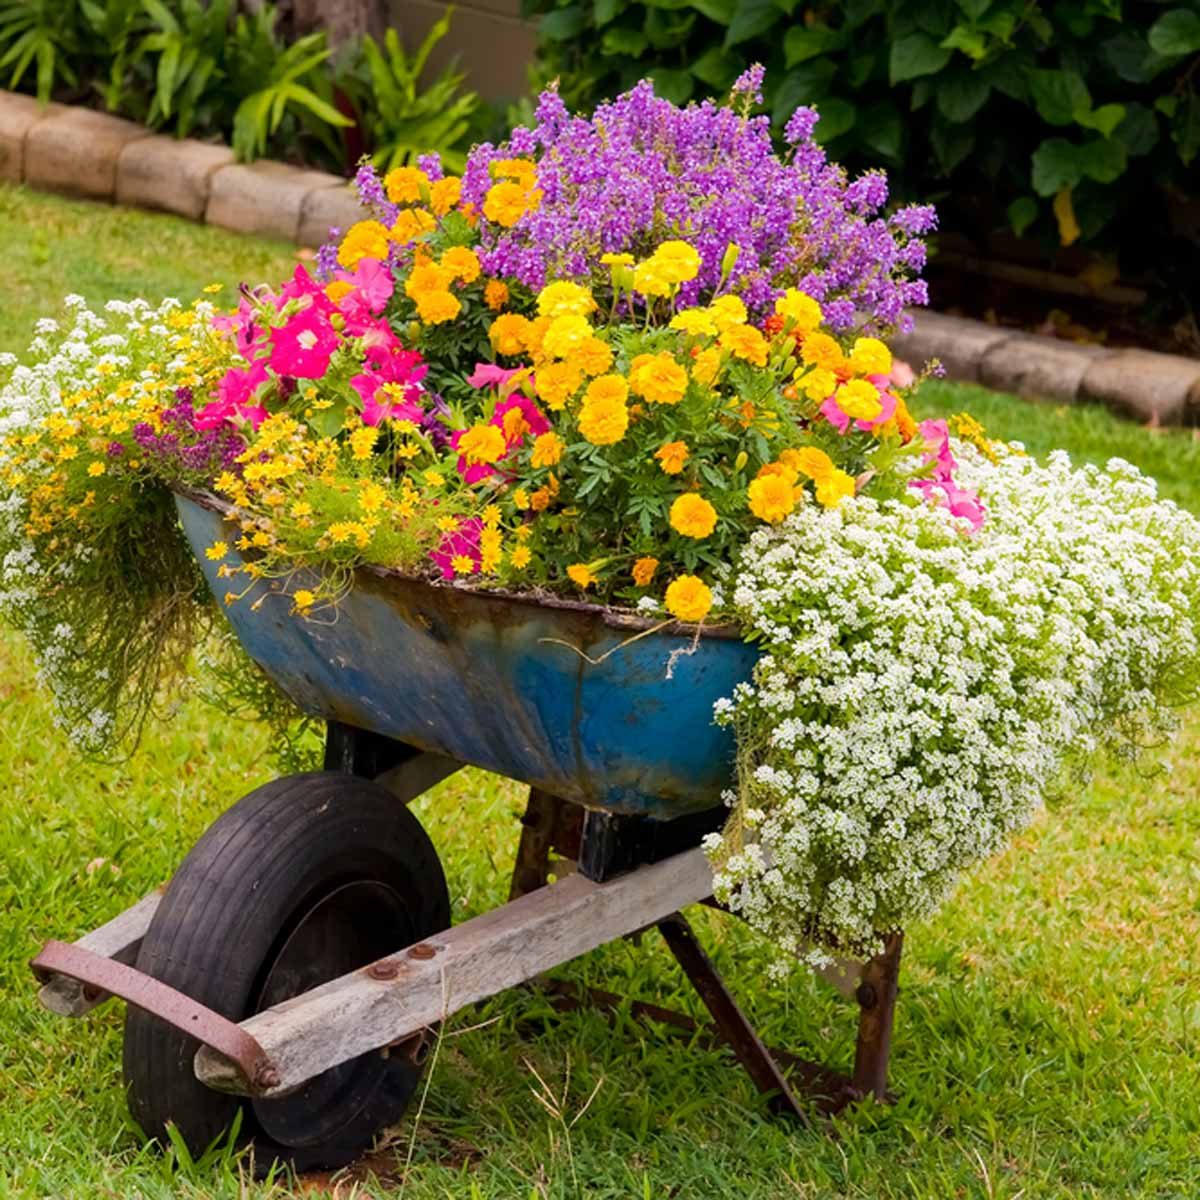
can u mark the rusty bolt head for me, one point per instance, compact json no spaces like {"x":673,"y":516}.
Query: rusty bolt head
{"x":266,"y":1077}
{"x":422,"y":950}
{"x":383,"y":970}
{"x":866,"y":996}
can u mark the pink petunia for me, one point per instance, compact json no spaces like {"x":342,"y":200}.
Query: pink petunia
{"x":532,"y":418}
{"x":463,"y":541}
{"x":303,"y":347}
{"x":236,"y":398}
{"x":372,"y":286}
{"x":488,"y":375}
{"x":378,"y":405}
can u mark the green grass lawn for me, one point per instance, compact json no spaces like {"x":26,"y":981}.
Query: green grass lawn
{"x":1047,"y":1041}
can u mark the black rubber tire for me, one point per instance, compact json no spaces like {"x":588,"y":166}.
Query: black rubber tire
{"x":229,"y":913}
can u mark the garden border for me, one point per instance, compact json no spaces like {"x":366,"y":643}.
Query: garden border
{"x":82,"y":152}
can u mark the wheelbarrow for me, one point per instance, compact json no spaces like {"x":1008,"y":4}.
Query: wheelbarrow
{"x":296,"y":968}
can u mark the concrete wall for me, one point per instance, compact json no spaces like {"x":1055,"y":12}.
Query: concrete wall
{"x":494,"y":46}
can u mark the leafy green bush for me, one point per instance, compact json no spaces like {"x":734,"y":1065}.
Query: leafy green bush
{"x":1073,"y":120}
{"x":202,"y":67}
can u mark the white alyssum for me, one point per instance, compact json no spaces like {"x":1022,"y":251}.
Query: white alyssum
{"x":921,"y":689}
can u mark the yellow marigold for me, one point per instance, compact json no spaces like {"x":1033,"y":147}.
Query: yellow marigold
{"x":436,"y":307}
{"x":365,"y":239}
{"x":809,"y":461}
{"x":832,"y":490}
{"x":859,"y":399}
{"x":782,"y":469}
{"x":727,"y":311}
{"x":657,"y":378}
{"x":564,"y":299}
{"x":771,"y":498}
{"x":592,"y":356}
{"x":547,"y":450}
{"x":95,"y":469}
{"x":603,"y":421}
{"x":650,"y":280}
{"x":565,"y":334}
{"x":462,"y":564}
{"x":482,"y":444}
{"x":817,"y":384}
{"x":495,"y":294}
{"x":514,"y":424}
{"x":303,"y":600}
{"x":905,"y":424}
{"x":643,"y":570}
{"x":524,"y":170}
{"x":506,"y":202}
{"x":747,"y":343}
{"x":535,"y":331}
{"x":444,"y":194}
{"x":338,"y":290}
{"x":688,"y":598}
{"x":520,"y":498}
{"x":696,"y":322}
{"x":820,"y":350}
{"x":540,"y":500}
{"x":617,"y":260}
{"x":491,"y":516}
{"x":427,"y":277}
{"x":581,"y":575}
{"x":507,"y":333}
{"x":462,"y":262}
{"x":556,"y":383}
{"x":216,"y":551}
{"x":410,"y":223}
{"x":677,"y":261}
{"x":405,"y":185}
{"x":362,"y":441}
{"x":869,"y":356}
{"x":801,"y":311}
{"x":607,"y":387}
{"x":490,"y":545}
{"x":693,"y":516}
{"x":672,"y":456}
{"x":706,"y":366}
{"x":520,"y":557}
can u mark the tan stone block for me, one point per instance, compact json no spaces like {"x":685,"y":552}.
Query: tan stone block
{"x":959,"y":343}
{"x":18,"y":115}
{"x":166,"y":173}
{"x":1161,"y":389}
{"x":266,"y":198}
{"x":76,"y":149}
{"x":1037,"y":366}
{"x":328,"y":208}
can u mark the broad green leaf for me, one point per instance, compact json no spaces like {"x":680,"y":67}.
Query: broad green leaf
{"x":1138,"y":130}
{"x":1059,"y":96}
{"x":1102,"y":159}
{"x":801,"y":43}
{"x":621,"y":41}
{"x":961,"y":95}
{"x":967,"y":39}
{"x":717,"y":68}
{"x":934,"y":17}
{"x":1055,"y":166}
{"x":804,"y":84}
{"x":951,"y":143}
{"x":1130,"y":56}
{"x":1103,"y":119}
{"x":837,"y":117}
{"x":1022,"y":213}
{"x":720,"y":11}
{"x":974,"y":9}
{"x":606,"y":11}
{"x":882,"y":130}
{"x":1185,"y":129}
{"x":673,"y":85}
{"x":751,"y":19}
{"x":562,"y":24}
{"x":915,"y":55}
{"x":1176,"y":33}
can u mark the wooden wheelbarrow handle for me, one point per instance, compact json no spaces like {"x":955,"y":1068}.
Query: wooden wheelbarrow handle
{"x":101,"y":975}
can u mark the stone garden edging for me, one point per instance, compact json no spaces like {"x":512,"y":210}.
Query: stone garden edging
{"x":86,"y":153}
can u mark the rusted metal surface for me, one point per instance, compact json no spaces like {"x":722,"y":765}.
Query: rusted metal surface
{"x":106,"y":975}
{"x":553,"y":693}
{"x":548,"y":825}
{"x":876,"y":997}
{"x":729,"y":1019}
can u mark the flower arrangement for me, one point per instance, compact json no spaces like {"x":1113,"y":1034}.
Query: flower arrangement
{"x":639,"y":359}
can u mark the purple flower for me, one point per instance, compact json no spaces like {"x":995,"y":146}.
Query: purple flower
{"x":749,"y":83}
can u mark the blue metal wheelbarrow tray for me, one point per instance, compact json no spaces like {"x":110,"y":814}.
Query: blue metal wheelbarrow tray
{"x":292,"y":976}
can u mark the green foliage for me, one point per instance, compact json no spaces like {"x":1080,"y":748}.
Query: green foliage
{"x":204,"y":67}
{"x":990,"y":107}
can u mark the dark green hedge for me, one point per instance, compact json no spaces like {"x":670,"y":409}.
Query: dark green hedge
{"x":1065,"y":120}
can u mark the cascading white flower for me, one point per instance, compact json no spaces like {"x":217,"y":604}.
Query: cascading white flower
{"x":922,"y":690}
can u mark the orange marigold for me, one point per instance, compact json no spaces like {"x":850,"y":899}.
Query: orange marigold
{"x":688,"y":598}
{"x":658,"y":378}
{"x":547,"y":450}
{"x":643,"y":570}
{"x":693,"y":516}
{"x":771,"y":498}
{"x":672,"y":456}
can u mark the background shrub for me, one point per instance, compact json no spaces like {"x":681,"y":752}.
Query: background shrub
{"x":1075,"y":121}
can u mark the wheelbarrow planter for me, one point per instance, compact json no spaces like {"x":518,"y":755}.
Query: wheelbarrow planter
{"x":299,"y":962}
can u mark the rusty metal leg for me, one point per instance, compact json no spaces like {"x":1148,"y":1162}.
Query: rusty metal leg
{"x":548,"y":824}
{"x":876,"y":996}
{"x":727,"y":1016}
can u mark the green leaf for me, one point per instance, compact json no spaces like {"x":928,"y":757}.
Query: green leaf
{"x":1103,"y":159}
{"x":1175,"y":33}
{"x":1138,"y":130}
{"x":717,"y":68}
{"x":883,"y":130}
{"x":562,"y":24}
{"x":604,"y":11}
{"x":974,"y":8}
{"x":967,"y":39}
{"x":1055,"y":166}
{"x":951,"y":143}
{"x":804,"y":84}
{"x":625,"y":42}
{"x":673,"y":85}
{"x":1059,"y":96}
{"x":837,"y":117}
{"x":915,"y":55}
{"x":960,"y":96}
{"x":1022,"y":213}
{"x":1185,"y":129}
{"x":801,"y":43}
{"x":1103,"y":119}
{"x":1131,"y":58}
{"x":751,"y":19}
{"x":720,"y":11}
